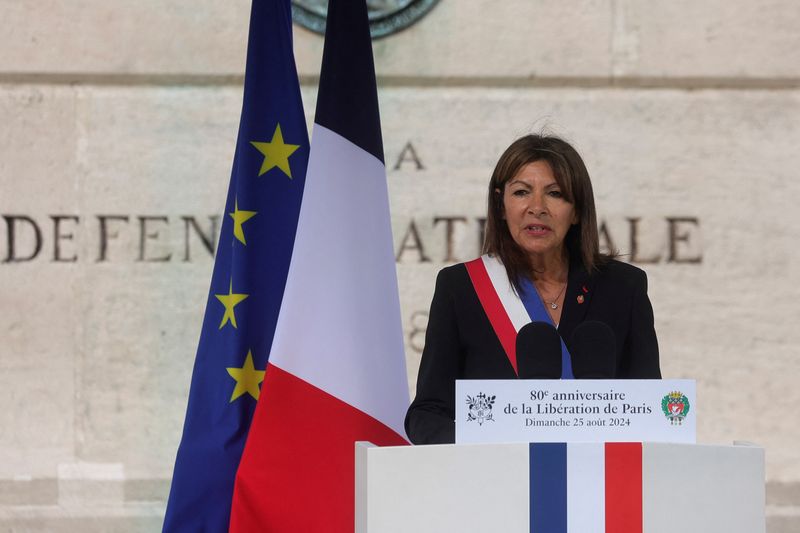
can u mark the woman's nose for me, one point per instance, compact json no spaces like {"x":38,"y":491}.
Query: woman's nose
{"x":537,"y":206}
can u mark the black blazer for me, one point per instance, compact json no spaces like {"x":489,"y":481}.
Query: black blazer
{"x":461,"y":344}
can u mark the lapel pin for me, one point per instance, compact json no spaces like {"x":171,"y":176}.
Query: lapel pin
{"x":580,"y":298}
{"x":585,"y":290}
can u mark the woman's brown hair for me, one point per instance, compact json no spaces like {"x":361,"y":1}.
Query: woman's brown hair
{"x":582,"y":240}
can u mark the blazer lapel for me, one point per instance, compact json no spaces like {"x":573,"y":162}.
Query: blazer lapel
{"x":577,"y":300}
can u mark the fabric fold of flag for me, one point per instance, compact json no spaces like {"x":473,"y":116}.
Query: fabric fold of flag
{"x":336,"y":372}
{"x":252,"y":261}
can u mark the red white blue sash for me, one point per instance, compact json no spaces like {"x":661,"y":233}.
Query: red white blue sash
{"x":504,"y":308}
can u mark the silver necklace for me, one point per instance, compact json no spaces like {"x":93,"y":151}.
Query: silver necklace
{"x":554,"y":304}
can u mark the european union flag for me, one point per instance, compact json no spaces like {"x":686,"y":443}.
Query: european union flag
{"x":255,"y":248}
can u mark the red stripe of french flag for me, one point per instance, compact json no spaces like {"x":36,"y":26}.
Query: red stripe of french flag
{"x":297,"y":471}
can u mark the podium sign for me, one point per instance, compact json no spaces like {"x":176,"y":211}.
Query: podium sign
{"x":602,"y":410}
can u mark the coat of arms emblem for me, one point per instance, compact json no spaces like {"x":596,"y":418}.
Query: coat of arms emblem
{"x":480,"y":408}
{"x":385,"y":16}
{"x":675,"y":407}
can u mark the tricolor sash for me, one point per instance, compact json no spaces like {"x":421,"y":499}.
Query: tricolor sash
{"x":508,"y":311}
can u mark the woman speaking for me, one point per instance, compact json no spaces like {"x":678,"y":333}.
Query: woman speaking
{"x":541,"y":262}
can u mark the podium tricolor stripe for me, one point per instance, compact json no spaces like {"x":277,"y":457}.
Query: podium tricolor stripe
{"x":548,"y":492}
{"x":623,"y":487}
{"x":585,"y":488}
{"x":586,"y":485}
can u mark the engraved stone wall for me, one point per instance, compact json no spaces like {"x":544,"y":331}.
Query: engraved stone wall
{"x":118,"y":127}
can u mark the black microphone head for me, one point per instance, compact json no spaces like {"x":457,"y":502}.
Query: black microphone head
{"x":538,"y":351}
{"x":593,"y":350}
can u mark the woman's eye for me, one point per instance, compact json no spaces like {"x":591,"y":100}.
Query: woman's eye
{"x":519,"y":192}
{"x":555,"y":194}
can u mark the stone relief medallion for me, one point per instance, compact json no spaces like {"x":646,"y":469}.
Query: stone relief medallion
{"x":385,"y":16}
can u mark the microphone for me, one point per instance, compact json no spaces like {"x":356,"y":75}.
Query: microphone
{"x":538,"y":352}
{"x":593,"y":349}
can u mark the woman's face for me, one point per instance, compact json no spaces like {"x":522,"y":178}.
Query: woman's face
{"x":536,"y":212}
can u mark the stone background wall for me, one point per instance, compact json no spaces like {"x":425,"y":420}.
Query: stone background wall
{"x":117,"y":127}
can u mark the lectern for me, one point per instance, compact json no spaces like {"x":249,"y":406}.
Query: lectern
{"x":554,"y":487}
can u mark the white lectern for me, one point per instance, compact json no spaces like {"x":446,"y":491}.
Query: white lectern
{"x":484,"y":488}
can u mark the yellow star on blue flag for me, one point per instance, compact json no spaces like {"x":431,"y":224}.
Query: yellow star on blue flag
{"x":240,"y":217}
{"x":247,"y":378}
{"x":230,"y":301}
{"x":276,"y":153}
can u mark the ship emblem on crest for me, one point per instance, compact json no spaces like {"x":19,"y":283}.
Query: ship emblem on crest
{"x":480,"y":408}
{"x":675,"y":406}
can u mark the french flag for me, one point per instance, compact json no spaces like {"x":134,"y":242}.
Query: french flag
{"x":585,"y":487}
{"x":336,"y":372}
